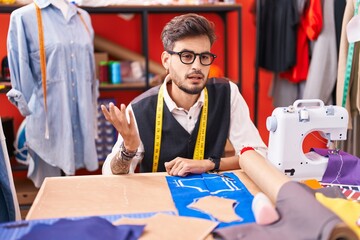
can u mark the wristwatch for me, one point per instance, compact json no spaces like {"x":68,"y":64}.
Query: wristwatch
{"x":126,"y":154}
{"x":216,"y":161}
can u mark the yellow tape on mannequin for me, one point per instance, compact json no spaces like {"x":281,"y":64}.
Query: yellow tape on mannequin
{"x":42,"y":65}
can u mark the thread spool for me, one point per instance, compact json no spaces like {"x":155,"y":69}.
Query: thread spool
{"x":109,"y":71}
{"x":116,"y":73}
{"x":103,"y":72}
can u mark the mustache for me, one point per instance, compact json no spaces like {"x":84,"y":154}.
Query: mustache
{"x":195,"y":72}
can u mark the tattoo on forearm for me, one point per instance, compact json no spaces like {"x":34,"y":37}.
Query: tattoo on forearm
{"x":119,"y":165}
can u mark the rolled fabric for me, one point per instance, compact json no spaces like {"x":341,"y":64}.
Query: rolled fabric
{"x":266,"y":176}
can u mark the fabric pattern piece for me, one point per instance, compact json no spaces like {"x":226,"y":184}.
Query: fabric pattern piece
{"x":166,"y":226}
{"x":187,"y":190}
{"x":219,"y":208}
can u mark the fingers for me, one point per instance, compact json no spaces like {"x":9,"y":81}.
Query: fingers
{"x":115,"y":116}
{"x":105,"y":112}
{"x":115,"y":112}
{"x":168,"y":166}
{"x":108,"y":113}
{"x":177,"y":167}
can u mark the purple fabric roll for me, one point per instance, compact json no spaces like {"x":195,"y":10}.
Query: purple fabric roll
{"x":342,"y":168}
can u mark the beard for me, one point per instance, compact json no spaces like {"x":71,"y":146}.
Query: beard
{"x":193,"y":89}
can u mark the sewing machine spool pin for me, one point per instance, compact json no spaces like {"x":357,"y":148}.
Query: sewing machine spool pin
{"x":288,"y":128}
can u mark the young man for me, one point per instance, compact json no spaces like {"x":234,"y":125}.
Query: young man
{"x":188,"y":118}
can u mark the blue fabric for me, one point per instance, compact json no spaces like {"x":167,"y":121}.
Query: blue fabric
{"x":92,"y":228}
{"x":17,"y":229}
{"x":186,"y":190}
{"x":7,"y":208}
{"x":71,"y":84}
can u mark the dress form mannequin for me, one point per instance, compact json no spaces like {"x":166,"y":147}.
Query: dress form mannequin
{"x":63,"y":5}
{"x":73,"y":130}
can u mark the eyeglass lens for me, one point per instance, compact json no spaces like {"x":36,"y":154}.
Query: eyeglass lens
{"x":189,"y":57}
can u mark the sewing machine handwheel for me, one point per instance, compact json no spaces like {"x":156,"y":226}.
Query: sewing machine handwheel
{"x":271,"y":124}
{"x":309,"y":103}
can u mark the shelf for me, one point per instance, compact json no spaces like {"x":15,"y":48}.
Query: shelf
{"x":222,"y":9}
{"x":219,"y":7}
{"x":123,"y":86}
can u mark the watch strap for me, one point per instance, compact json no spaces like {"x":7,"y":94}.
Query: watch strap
{"x":216,"y":161}
{"x":125,"y":154}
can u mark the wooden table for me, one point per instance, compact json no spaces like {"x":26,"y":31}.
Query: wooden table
{"x":75,"y":196}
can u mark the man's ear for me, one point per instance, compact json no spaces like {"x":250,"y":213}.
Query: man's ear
{"x":165,"y":59}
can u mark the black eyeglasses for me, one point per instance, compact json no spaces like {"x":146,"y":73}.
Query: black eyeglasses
{"x":188,"y":57}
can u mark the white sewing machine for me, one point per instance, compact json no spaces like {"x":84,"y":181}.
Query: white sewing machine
{"x":288,"y":128}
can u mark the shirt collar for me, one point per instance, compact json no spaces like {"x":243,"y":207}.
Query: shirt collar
{"x":42,"y":3}
{"x":171,"y":104}
{"x":45,"y":3}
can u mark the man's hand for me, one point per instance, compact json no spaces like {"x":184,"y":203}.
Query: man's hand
{"x":127,"y":129}
{"x":184,"y":166}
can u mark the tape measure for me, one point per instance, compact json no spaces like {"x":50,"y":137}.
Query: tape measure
{"x":349,"y":61}
{"x":42,"y":65}
{"x":200,"y":140}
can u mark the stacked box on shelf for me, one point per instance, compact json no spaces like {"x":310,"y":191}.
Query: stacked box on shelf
{"x":107,"y":134}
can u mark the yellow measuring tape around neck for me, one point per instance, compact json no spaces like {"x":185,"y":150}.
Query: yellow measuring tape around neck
{"x":200,"y":140}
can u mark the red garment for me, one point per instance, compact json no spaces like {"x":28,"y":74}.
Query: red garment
{"x":310,"y":27}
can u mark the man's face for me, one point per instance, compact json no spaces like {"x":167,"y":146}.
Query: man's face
{"x":190,"y":78}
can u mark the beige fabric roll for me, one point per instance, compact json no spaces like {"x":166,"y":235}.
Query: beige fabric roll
{"x":268,"y":178}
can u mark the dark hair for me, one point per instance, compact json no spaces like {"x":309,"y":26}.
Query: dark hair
{"x":187,"y":25}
